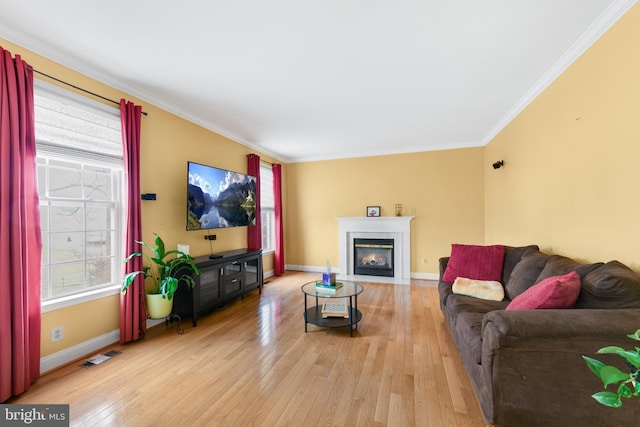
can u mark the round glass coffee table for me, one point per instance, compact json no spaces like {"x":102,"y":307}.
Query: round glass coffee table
{"x":332,"y":314}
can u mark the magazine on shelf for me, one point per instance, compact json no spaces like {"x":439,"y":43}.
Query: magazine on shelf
{"x":335,"y":310}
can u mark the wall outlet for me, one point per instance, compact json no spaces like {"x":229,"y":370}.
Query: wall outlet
{"x":183,"y":248}
{"x":424,"y":260}
{"x":57,"y":333}
{"x":412,"y":211}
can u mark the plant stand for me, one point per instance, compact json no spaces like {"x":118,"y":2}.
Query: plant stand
{"x":174,"y":318}
{"x":171,"y":318}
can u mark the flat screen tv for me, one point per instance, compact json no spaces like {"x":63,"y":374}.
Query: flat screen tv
{"x":218,"y":198}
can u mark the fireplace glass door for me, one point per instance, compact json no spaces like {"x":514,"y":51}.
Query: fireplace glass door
{"x":373,"y":257}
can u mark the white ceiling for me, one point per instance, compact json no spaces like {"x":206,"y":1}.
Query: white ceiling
{"x":321,"y":79}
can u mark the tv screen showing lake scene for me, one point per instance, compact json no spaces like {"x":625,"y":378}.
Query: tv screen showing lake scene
{"x":218,"y":198}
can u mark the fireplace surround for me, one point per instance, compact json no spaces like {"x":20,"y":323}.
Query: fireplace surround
{"x":397,"y":228}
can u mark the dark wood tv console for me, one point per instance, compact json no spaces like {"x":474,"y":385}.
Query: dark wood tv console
{"x":223,"y":277}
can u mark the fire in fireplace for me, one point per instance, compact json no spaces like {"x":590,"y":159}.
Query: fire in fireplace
{"x":373,"y":257}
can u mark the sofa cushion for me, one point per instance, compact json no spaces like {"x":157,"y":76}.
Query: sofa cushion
{"x":484,"y":289}
{"x":558,"y":265}
{"x":469,"y":335}
{"x":475,"y":262}
{"x":512,"y":256}
{"x":525,"y":273}
{"x":550,"y":293}
{"x":613,"y":285}
{"x":458,"y":304}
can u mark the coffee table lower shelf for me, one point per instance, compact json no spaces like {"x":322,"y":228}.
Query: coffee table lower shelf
{"x":313,"y":315}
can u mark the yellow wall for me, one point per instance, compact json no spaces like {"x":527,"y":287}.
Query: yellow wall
{"x":571,"y":175}
{"x":167,"y":143}
{"x":442,"y":189}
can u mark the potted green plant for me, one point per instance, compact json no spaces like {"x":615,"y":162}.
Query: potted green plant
{"x":627,"y":383}
{"x":163,"y":271}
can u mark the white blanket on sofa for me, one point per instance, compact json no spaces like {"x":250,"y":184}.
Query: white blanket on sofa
{"x":484,"y":289}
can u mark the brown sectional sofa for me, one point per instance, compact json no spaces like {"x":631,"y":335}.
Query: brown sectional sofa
{"x":526,"y":365}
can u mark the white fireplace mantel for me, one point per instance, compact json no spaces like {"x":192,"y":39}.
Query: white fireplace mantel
{"x":397,"y":228}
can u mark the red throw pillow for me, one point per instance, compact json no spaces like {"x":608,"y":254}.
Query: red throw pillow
{"x":475,"y":262}
{"x":552,"y":292}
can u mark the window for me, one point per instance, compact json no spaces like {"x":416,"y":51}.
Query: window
{"x":267,"y":205}
{"x":80,"y":184}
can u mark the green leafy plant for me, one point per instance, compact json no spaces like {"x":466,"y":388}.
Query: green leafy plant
{"x":163,"y":269}
{"x":626,"y":382}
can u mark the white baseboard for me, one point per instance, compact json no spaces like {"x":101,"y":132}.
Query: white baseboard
{"x":78,"y":351}
{"x":150,"y":323}
{"x":309,"y":268}
{"x":425,"y":276}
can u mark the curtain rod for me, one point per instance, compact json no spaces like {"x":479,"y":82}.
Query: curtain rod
{"x":269,"y":163}
{"x":78,"y":88}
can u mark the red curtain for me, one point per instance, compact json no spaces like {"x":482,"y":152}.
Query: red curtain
{"x":20,"y":234}
{"x":254,"y":232}
{"x":279,"y":231}
{"x":132,"y":312}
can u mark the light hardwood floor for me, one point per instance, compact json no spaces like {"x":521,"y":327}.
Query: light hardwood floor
{"x":252,"y":364}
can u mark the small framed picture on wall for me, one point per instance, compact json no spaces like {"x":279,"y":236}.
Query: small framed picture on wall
{"x":373,"y":210}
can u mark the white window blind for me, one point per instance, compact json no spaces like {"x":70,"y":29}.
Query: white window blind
{"x":267,"y":205}
{"x":66,"y":121}
{"x":266,"y":184}
{"x":80,"y":185}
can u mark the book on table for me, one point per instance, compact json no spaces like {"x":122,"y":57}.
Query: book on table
{"x":322,"y":287}
{"x":335,"y":310}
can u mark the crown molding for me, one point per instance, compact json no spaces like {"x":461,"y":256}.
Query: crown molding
{"x":388,"y":152}
{"x":609,"y":17}
{"x":54,"y":54}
